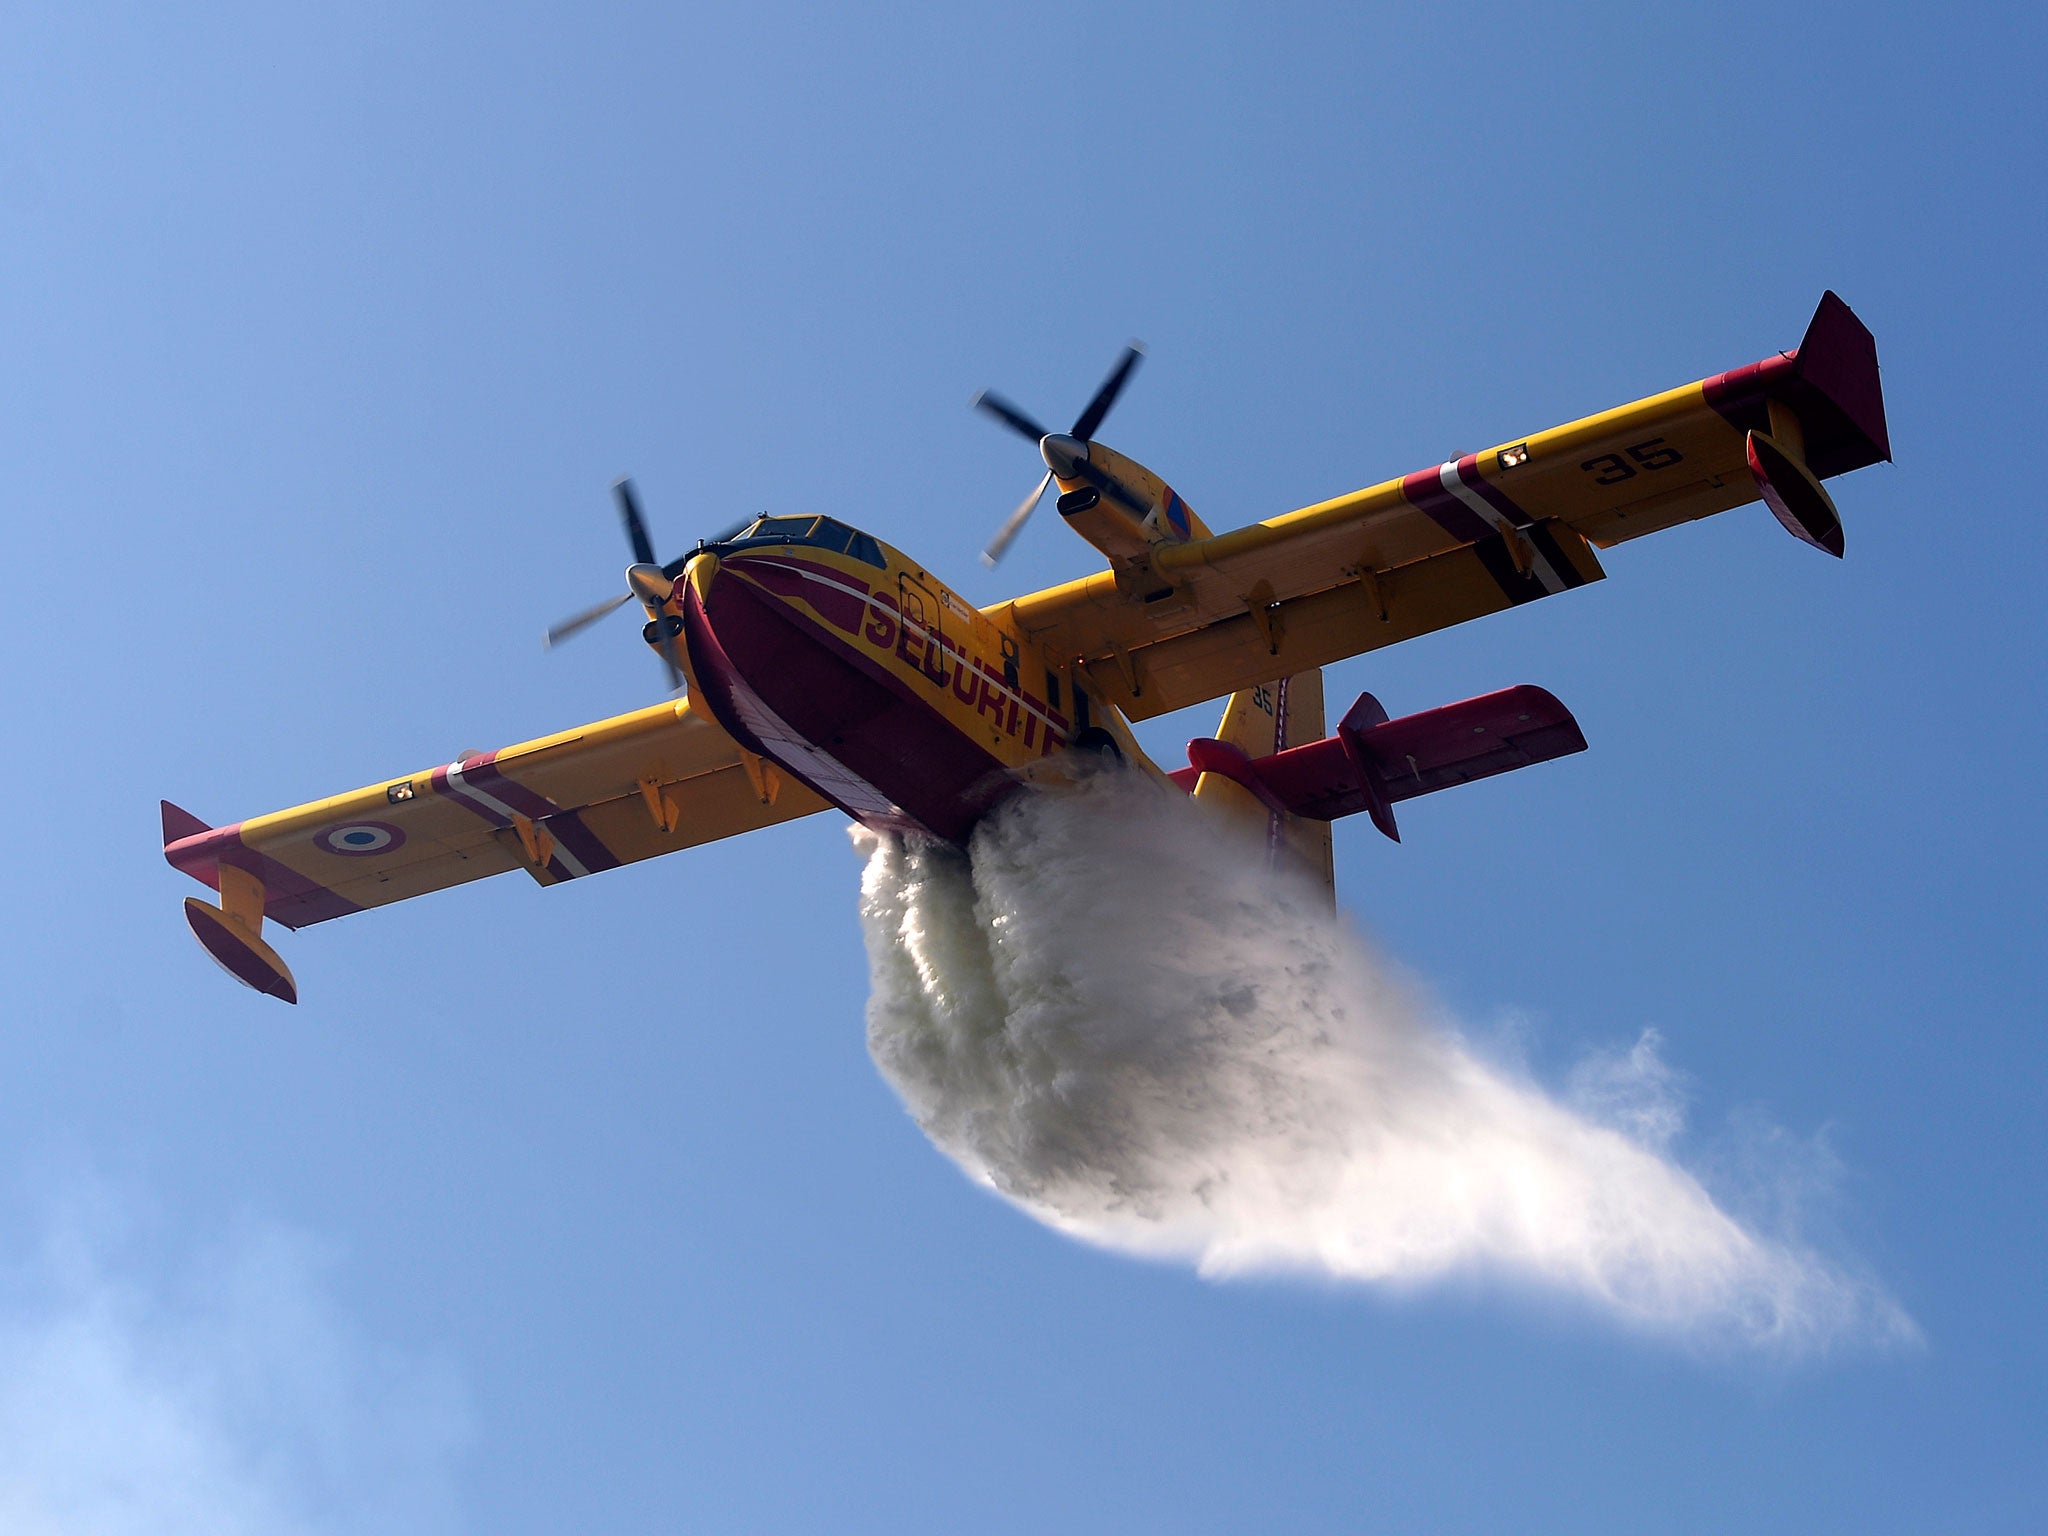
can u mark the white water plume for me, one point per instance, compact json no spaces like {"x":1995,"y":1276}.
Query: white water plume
{"x":1110,"y":1013}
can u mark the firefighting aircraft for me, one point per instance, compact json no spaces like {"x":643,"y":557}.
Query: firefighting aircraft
{"x":823,"y":668}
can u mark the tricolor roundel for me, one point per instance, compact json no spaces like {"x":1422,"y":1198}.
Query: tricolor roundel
{"x":358,"y":838}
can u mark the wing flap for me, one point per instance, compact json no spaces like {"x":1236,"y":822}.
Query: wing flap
{"x":665,"y":818}
{"x":1344,"y":620}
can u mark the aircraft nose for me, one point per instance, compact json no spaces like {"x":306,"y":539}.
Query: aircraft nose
{"x":699,"y":570}
{"x":1061,"y":453}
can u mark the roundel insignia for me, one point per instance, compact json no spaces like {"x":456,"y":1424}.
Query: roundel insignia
{"x":1176,"y":513}
{"x":357,"y":838}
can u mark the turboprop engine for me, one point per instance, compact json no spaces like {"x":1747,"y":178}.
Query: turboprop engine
{"x":1115,"y":503}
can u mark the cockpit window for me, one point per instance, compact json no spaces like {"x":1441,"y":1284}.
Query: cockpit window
{"x":818,"y":532}
{"x":831,"y":535}
{"x":779,"y":530}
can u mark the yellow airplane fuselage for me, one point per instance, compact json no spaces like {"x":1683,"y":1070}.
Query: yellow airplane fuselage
{"x":875,"y":684}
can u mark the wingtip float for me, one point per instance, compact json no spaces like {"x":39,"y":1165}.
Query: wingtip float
{"x":825,"y":669}
{"x":232,"y":933}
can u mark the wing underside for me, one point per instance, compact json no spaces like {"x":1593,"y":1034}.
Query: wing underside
{"x":561,"y":807}
{"x":1473,"y":536}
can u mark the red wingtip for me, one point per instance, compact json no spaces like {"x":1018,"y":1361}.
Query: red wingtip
{"x":180,"y":824}
{"x":1838,"y":357}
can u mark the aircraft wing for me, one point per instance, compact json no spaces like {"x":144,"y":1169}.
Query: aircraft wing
{"x":561,"y":807}
{"x":1485,"y":532}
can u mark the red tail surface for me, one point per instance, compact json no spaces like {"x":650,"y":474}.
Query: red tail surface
{"x":1373,"y":762}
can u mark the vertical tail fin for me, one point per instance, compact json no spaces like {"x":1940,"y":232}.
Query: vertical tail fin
{"x":1259,"y":722}
{"x":180,"y":823}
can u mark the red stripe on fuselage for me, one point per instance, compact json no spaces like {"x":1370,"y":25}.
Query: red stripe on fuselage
{"x":841,"y":599}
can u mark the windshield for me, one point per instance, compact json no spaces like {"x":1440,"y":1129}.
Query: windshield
{"x":819,"y":532}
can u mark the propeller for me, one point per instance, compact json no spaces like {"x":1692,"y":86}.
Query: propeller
{"x":647,"y":581}
{"x":1065,"y":453}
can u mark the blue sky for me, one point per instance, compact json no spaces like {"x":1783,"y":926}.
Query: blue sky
{"x":586,"y":1208}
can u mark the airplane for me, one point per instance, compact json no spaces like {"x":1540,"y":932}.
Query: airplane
{"x":822,"y":668}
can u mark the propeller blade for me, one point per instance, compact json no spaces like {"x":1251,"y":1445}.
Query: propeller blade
{"x":642,"y":583}
{"x":585,"y":619}
{"x":636,"y":525}
{"x":1090,"y":419}
{"x":988,"y":400}
{"x":1015,"y":524}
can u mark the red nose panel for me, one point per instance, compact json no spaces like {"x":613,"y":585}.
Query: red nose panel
{"x":804,"y":695}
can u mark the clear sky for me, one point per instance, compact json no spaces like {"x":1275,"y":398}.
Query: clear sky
{"x":324,"y":333}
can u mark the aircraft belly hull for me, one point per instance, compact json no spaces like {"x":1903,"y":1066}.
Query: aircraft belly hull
{"x":791,"y":690}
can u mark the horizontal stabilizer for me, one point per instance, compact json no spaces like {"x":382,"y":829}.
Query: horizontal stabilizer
{"x":1373,"y":762}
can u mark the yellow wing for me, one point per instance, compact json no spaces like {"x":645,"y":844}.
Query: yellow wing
{"x":561,"y":807}
{"x":1520,"y":521}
